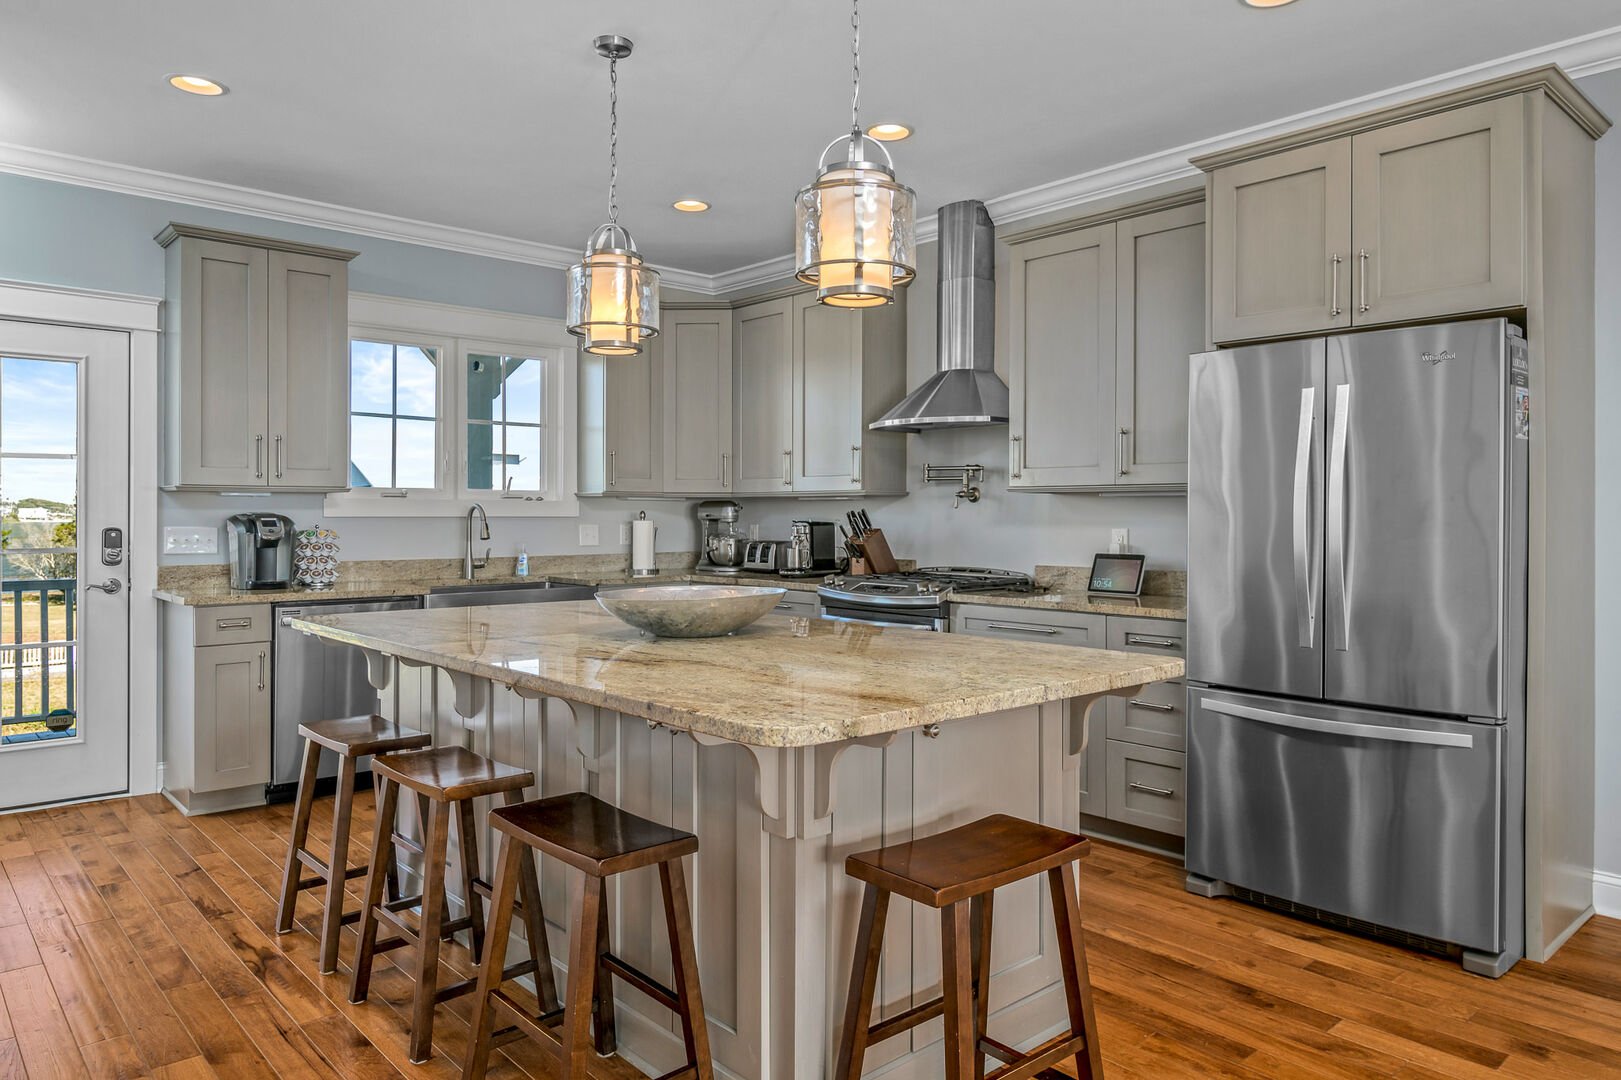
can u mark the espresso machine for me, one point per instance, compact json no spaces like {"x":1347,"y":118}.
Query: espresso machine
{"x":261,"y":547}
{"x":720,"y":541}
{"x":811,"y":550}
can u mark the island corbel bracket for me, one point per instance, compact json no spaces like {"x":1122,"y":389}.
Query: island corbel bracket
{"x":379,"y":668}
{"x":794,"y":784}
{"x":1078,"y":723}
{"x":471,"y":693}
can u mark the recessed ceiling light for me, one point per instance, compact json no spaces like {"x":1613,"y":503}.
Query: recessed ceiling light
{"x":690,"y":206}
{"x":196,"y":84}
{"x":1267,"y":3}
{"x":889,"y":132}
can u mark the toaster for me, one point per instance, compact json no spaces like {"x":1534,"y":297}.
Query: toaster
{"x":764,"y":556}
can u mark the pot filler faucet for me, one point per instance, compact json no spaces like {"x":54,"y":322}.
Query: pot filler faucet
{"x":471,"y":565}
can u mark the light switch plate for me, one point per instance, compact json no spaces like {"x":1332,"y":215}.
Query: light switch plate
{"x":1119,"y":540}
{"x":589,"y":536}
{"x":190,"y":540}
{"x":624,"y":532}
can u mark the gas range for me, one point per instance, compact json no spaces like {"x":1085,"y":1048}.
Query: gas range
{"x":915,"y":598}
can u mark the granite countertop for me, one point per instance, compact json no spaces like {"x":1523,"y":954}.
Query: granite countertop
{"x":1147,"y":607}
{"x":783,"y":681}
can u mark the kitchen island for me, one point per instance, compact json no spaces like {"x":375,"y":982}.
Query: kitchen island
{"x":785,"y":748}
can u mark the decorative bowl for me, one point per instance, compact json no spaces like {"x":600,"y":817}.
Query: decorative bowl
{"x":690,"y":611}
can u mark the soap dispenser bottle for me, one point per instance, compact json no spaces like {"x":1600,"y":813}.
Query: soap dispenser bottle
{"x":523,"y":561}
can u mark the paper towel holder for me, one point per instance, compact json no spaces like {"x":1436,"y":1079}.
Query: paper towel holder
{"x":642,"y":526}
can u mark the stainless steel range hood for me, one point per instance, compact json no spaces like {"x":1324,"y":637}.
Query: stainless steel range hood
{"x":965,"y":391}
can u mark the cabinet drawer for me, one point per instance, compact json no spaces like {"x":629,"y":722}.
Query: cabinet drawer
{"x":233,"y":625}
{"x":1163,"y":637}
{"x":797,"y":603}
{"x":1023,"y":624}
{"x":1145,"y":787}
{"x":1157,"y":716}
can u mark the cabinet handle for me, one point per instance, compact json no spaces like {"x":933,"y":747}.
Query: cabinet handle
{"x":725,"y":470}
{"x":1018,"y":456}
{"x":261,"y":669}
{"x":1334,"y":309}
{"x":612,"y":472}
{"x":855,"y":464}
{"x":1022,"y":629}
{"x":1149,"y":789}
{"x":233,"y":624}
{"x":1157,"y":706}
{"x":278,"y":457}
{"x":1362,"y":258}
{"x":259,"y":457}
{"x":1122,"y":452}
{"x":787,"y":468}
{"x":1153,"y":642}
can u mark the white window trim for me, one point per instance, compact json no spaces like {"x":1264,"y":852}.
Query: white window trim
{"x":456,"y":331}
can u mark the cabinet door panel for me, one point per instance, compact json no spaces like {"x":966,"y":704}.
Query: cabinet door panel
{"x":1062,"y":360}
{"x":827,"y":396}
{"x":1277,"y":225}
{"x":233,"y":716}
{"x":308,"y":372}
{"x":1438,"y":205}
{"x":632,"y":420}
{"x":698,"y":401}
{"x":1161,"y":321}
{"x":223,"y":328}
{"x":763,"y":404}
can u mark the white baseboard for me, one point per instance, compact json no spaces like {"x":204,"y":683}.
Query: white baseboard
{"x":1607,"y":894}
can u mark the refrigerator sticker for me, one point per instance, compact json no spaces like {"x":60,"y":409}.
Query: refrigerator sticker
{"x":1522,"y":413}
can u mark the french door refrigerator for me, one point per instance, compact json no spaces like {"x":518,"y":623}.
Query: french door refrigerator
{"x":1356,"y":625}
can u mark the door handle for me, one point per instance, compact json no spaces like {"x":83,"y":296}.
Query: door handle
{"x":1122,"y":452}
{"x":259,"y":457}
{"x":725,"y":470}
{"x":1334,"y":309}
{"x":1362,"y":258}
{"x":1018,"y":456}
{"x":1157,"y":706}
{"x":1164,"y":793}
{"x":1305,"y":605}
{"x":612,"y":471}
{"x":1022,"y":629}
{"x":1336,"y":515}
{"x":1341,"y":727}
{"x":787,"y":468}
{"x":261,"y":669}
{"x":112,"y":586}
{"x":855,"y":464}
{"x":244,"y":624}
{"x":278,"y":457}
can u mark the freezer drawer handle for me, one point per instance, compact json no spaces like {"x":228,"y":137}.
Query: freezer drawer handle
{"x":1139,"y":703}
{"x":1021,"y":629}
{"x":1338,"y":600}
{"x":1164,"y":793}
{"x":1304,"y":598}
{"x":233,"y":624}
{"x":1153,"y":642}
{"x":1339,"y":727}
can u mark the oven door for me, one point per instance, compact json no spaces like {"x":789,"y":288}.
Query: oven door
{"x":930,"y":618}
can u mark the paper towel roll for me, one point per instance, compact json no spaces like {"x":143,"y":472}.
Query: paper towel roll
{"x":643,"y":559}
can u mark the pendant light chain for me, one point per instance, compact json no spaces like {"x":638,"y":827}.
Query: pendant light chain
{"x":855,"y":68}
{"x":613,"y":139}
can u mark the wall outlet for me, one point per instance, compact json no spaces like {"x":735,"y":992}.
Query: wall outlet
{"x":1119,"y":540}
{"x":589,"y":537}
{"x":190,"y":540}
{"x":624,"y":532}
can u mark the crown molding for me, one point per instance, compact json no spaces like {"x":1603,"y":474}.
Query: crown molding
{"x":1589,"y":54}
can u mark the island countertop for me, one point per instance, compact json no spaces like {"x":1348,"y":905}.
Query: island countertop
{"x":782,"y":682}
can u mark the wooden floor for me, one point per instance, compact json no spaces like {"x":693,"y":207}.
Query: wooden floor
{"x":137,"y":943}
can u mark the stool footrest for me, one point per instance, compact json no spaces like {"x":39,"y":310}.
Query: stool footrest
{"x":323,"y":871}
{"x":906,"y":1021}
{"x":685,"y":1072}
{"x":533,"y":1026}
{"x":1034,"y":1063}
{"x":401,"y":840}
{"x":643,"y":982}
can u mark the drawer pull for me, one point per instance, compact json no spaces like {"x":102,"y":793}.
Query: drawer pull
{"x":1149,"y":789}
{"x":233,"y":624}
{"x":1157,"y":706}
{"x":1022,"y":629}
{"x":1153,"y":642}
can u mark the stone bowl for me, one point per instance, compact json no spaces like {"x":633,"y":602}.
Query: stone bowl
{"x":690,"y":611}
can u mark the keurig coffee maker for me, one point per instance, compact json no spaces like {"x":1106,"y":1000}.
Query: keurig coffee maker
{"x":261,"y":547}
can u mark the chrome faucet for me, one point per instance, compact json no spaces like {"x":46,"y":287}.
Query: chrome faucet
{"x":469,"y":564}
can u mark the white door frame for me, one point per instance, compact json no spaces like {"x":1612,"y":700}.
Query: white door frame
{"x":139,"y":316}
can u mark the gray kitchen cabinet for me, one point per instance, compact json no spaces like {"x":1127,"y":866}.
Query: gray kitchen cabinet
{"x":799,"y":602}
{"x":632,"y":421}
{"x":763,"y":341}
{"x":216,"y":706}
{"x":256,"y":364}
{"x":1146,"y":787}
{"x":696,"y":362}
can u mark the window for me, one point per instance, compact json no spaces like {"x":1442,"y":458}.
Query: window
{"x":506,"y":429}
{"x":393,"y":415}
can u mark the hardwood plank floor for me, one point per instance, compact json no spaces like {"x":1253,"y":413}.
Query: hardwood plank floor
{"x":137,"y":943}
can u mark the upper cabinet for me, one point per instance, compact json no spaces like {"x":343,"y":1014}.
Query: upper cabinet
{"x":696,"y":357}
{"x":763,"y":400}
{"x":1420,"y":212}
{"x":256,"y":368}
{"x":1103,"y":318}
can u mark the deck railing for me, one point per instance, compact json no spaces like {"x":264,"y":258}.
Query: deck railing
{"x":27,"y":665}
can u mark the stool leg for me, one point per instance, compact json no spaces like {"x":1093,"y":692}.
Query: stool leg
{"x":382,"y":863}
{"x":1072,"y":958}
{"x":301,"y":832}
{"x":436,"y":844}
{"x":684,"y":959}
{"x":602,"y":1005}
{"x":467,"y":843}
{"x":510,"y":858}
{"x":957,"y":977}
{"x":534,"y":917}
{"x":338,"y":865}
{"x":863,"y":982}
{"x":981,"y":911}
{"x":585,"y":909}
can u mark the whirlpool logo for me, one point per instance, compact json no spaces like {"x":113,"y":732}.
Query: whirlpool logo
{"x":1434,"y":358}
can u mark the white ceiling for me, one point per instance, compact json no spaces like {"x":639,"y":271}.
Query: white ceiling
{"x":491,"y":115}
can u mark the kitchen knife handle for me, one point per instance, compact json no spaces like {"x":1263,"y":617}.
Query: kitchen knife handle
{"x":1336,"y":515}
{"x":1305,"y":602}
{"x":1334,"y":309}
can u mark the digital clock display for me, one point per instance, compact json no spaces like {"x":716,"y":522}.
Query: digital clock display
{"x":1117,"y":575}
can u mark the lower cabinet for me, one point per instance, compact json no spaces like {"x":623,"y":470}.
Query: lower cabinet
{"x":799,"y":602}
{"x":216,"y":706}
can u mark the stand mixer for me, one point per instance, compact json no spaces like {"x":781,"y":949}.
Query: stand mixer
{"x":720,"y":541}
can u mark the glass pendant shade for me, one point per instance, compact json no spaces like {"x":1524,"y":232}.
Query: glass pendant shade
{"x":613,"y":297}
{"x":855,"y":235}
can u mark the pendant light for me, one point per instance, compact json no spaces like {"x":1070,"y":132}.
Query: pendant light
{"x":853,"y":225}
{"x":613,"y":297}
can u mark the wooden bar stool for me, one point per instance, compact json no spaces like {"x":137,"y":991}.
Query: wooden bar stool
{"x":599,"y":841}
{"x":956,"y":872}
{"x":445,"y":779}
{"x":351,"y":738}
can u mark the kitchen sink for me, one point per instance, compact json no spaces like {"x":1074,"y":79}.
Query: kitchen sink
{"x":475,"y":595}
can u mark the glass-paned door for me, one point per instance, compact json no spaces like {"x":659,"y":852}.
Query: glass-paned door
{"x":64,"y":640}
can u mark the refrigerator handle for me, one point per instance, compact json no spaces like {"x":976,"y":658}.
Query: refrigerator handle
{"x":1336,"y":517}
{"x":1305,"y":600}
{"x":1341,"y":727}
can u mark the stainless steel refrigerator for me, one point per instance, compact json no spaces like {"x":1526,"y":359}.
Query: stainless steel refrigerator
{"x":1356,"y":631}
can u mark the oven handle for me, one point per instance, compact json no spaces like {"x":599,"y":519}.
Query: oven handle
{"x":876,"y":622}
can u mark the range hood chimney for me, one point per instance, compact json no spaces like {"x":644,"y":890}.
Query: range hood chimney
{"x":965,"y":391}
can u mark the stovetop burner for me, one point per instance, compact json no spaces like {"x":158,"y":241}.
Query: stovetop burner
{"x":924,"y":586}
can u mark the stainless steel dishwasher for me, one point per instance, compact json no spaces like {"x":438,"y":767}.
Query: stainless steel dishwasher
{"x":315,"y":680}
